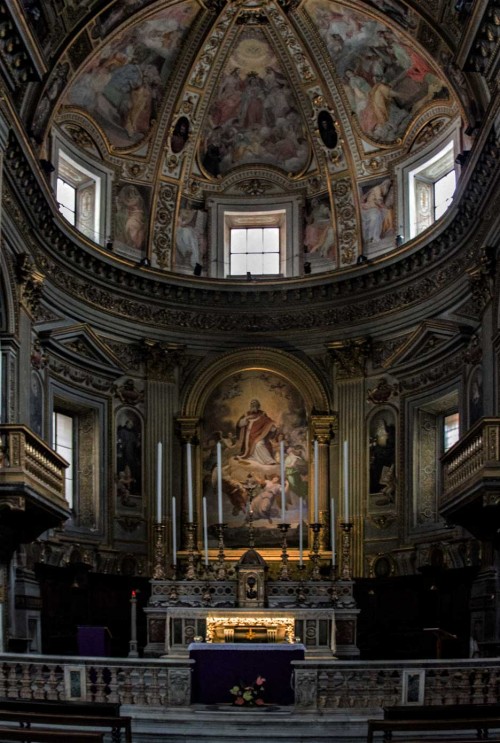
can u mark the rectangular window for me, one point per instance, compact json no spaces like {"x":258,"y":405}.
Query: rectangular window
{"x":255,"y":250}
{"x":451,"y":430}
{"x":431,"y":186}
{"x":78,"y":195}
{"x":63,"y":441}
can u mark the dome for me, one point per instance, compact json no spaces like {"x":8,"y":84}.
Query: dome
{"x":199,"y":121}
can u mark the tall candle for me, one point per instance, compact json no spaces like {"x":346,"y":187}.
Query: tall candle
{"x":205,"y":529}
{"x":332,"y":529}
{"x":301,"y":536}
{"x":282,"y":463}
{"x":190,"y":483}
{"x":346,"y":482}
{"x":174,"y":533}
{"x":316,"y":482}
{"x":158,"y":481}
{"x":219,"y":481}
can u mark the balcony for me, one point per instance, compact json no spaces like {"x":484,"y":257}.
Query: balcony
{"x":31,"y":487}
{"x":471,"y":480}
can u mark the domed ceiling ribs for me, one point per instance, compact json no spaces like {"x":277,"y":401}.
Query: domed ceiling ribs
{"x":188,"y":100}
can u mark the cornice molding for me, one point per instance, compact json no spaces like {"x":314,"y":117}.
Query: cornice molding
{"x":390,"y":285}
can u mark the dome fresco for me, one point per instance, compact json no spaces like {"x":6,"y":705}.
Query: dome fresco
{"x":190,"y":101}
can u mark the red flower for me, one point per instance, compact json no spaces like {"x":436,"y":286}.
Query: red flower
{"x":259,"y":701}
{"x":239,"y":700}
{"x":260,"y":680}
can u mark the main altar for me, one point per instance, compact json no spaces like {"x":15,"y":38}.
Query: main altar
{"x":248,"y":604}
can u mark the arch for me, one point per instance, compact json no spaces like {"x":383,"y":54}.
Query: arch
{"x":256,"y":359}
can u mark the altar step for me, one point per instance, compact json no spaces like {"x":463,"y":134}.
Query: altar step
{"x":227,"y":724}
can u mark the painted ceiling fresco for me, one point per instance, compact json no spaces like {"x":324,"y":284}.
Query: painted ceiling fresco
{"x":194,"y":98}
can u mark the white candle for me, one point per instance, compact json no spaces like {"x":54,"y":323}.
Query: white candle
{"x":219,"y":482}
{"x":316,"y":482}
{"x":346,"y":483}
{"x":205,"y":529}
{"x":282,"y":463}
{"x":332,"y":529}
{"x":174,"y":533}
{"x":158,"y":481}
{"x":190,"y":483}
{"x":300,"y":532}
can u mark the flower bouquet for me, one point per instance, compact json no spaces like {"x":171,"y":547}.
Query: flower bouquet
{"x":249,"y":695}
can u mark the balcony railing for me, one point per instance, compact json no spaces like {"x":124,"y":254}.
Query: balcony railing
{"x":473,"y":463}
{"x":29,"y":466}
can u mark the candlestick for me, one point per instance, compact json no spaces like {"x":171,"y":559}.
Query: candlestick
{"x":314,"y":555}
{"x":346,"y":482}
{"x":190,"y":569}
{"x":174,"y":533}
{"x":220,"y":567}
{"x":190,"y":483}
{"x":332,"y":529}
{"x":132,"y":653}
{"x":159,"y":481}
{"x":301,"y":529}
{"x":205,"y":529}
{"x":316,"y":480}
{"x":219,"y":481}
{"x":159,"y":557}
{"x":283,"y":573}
{"x":345,"y":570}
{"x":282,"y":464}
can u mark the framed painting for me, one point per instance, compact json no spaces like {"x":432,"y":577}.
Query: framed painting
{"x":258,"y":417}
{"x":413,"y":686}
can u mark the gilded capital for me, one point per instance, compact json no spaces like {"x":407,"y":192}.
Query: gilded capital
{"x":161,"y":359}
{"x":188,"y":428}
{"x":323,"y":427}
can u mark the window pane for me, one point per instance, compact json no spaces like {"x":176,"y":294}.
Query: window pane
{"x":66,"y":198}
{"x":444,"y":189}
{"x":451,"y":430}
{"x":238,"y":241}
{"x":271,"y":263}
{"x":254,"y":240}
{"x":254,"y":263}
{"x":63,"y":443}
{"x":271,"y":239}
{"x":238,"y":264}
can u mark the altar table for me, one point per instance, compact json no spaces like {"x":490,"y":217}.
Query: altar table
{"x":219,"y":666}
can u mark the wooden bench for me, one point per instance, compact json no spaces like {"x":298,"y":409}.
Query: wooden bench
{"x":440,"y":711}
{"x":68,"y":715}
{"x":46,"y":735}
{"x":482,"y":726}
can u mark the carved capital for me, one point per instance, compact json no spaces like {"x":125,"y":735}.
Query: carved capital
{"x":322,"y":427}
{"x":188,"y":429}
{"x":351,"y":356}
{"x":473,"y":354}
{"x":161,"y":359}
{"x":30,"y":282}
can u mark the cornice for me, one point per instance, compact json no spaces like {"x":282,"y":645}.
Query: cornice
{"x":390,"y":285}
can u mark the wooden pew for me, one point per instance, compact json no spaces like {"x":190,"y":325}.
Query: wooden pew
{"x":46,"y":735}
{"x":440,"y":711}
{"x":480,"y":725}
{"x":68,"y":715}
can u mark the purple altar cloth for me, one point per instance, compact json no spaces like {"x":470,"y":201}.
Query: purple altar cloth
{"x":220,"y":666}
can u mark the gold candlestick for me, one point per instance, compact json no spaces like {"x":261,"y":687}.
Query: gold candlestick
{"x":283,"y":574}
{"x":191,"y":531}
{"x":160,"y":556}
{"x":314,"y":555}
{"x":345,"y":559}
{"x":219,"y":566}
{"x":301,"y":597}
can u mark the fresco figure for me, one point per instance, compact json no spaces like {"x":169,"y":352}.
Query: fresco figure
{"x":382,"y":458}
{"x":377,"y":212}
{"x":128,"y":456}
{"x":386,"y":81}
{"x":130,"y":217}
{"x":255,"y":429}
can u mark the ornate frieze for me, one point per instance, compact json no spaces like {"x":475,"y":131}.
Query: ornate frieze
{"x":161,"y":359}
{"x":30,"y":282}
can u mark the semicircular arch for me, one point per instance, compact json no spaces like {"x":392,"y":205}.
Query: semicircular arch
{"x":295,"y":371}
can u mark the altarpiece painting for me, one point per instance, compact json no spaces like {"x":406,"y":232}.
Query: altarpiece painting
{"x":257,"y":416}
